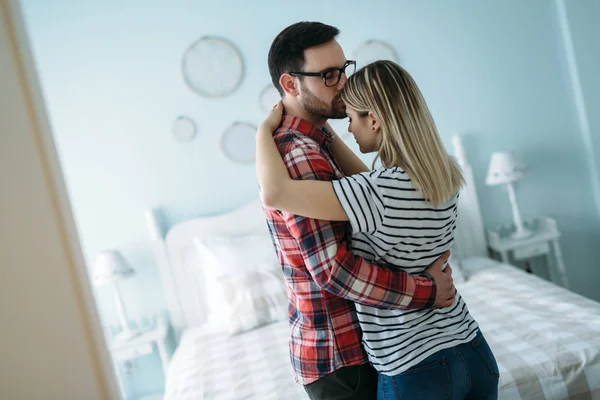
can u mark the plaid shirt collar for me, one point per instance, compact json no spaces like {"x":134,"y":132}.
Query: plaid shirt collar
{"x":300,"y":125}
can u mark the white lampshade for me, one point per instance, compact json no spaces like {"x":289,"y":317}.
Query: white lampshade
{"x":504,"y":168}
{"x":111,"y":266}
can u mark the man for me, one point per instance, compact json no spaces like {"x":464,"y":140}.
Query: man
{"x":323,"y":277}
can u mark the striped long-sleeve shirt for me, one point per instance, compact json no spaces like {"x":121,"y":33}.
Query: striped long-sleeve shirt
{"x":324,"y":279}
{"x":393,"y":224}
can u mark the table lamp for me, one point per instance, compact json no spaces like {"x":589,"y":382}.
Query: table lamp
{"x":111,"y":267}
{"x":505,"y":168}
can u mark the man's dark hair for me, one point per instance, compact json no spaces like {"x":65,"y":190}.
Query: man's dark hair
{"x":287,"y":50}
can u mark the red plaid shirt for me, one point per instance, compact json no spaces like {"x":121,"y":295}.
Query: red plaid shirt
{"x":322,"y":275}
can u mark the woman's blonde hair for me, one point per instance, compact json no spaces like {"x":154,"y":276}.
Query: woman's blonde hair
{"x":408,"y":137}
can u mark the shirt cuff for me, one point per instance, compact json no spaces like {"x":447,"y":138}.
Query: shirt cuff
{"x":425,"y":292}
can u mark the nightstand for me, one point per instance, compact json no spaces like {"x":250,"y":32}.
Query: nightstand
{"x":141,"y":345}
{"x":543,"y":242}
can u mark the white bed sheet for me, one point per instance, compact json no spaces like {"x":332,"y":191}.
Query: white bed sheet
{"x":251,"y":365}
{"x":546,"y":341}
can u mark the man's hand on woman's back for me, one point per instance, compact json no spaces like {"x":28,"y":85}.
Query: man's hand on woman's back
{"x":445,"y":291}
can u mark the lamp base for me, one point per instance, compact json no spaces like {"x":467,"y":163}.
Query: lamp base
{"x":521,"y":234}
{"x":126,"y":335}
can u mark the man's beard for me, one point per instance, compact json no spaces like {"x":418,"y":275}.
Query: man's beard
{"x":320,"y":109}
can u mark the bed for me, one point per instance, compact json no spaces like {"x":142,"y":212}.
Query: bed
{"x":546,"y":339}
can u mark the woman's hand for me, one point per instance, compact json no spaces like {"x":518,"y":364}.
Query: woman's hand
{"x":273,"y":119}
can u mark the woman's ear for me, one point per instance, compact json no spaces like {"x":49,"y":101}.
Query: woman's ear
{"x":288,"y":83}
{"x":374,"y":121}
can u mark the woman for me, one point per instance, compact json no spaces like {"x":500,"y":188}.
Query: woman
{"x":401,"y":215}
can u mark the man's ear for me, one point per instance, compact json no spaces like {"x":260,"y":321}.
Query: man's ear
{"x":375,"y":126}
{"x":288,"y":83}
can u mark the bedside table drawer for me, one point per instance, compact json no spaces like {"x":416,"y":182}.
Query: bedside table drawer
{"x":533,"y":250}
{"x":133,"y":352}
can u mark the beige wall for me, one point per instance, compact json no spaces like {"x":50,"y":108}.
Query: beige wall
{"x":50,"y":345}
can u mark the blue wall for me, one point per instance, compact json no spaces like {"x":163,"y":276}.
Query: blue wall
{"x":581,"y":30}
{"x":495,"y":70}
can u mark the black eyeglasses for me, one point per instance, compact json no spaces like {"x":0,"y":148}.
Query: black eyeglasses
{"x":332,"y":76}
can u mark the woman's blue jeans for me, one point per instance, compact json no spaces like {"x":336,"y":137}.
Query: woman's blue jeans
{"x":466,"y":371}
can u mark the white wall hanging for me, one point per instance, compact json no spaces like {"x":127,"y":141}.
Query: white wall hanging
{"x":212,"y":67}
{"x":268,"y":97}
{"x":238,"y":142}
{"x":183,"y":129}
{"x":373,"y":50}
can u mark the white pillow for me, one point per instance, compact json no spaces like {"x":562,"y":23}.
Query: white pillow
{"x":247,"y":300}
{"x":244,"y":285}
{"x":226,"y":255}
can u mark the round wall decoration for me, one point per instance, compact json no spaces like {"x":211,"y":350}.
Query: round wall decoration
{"x":268,"y":97}
{"x":183,"y":129}
{"x":212,"y":67}
{"x":373,"y":50}
{"x":238,"y":142}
